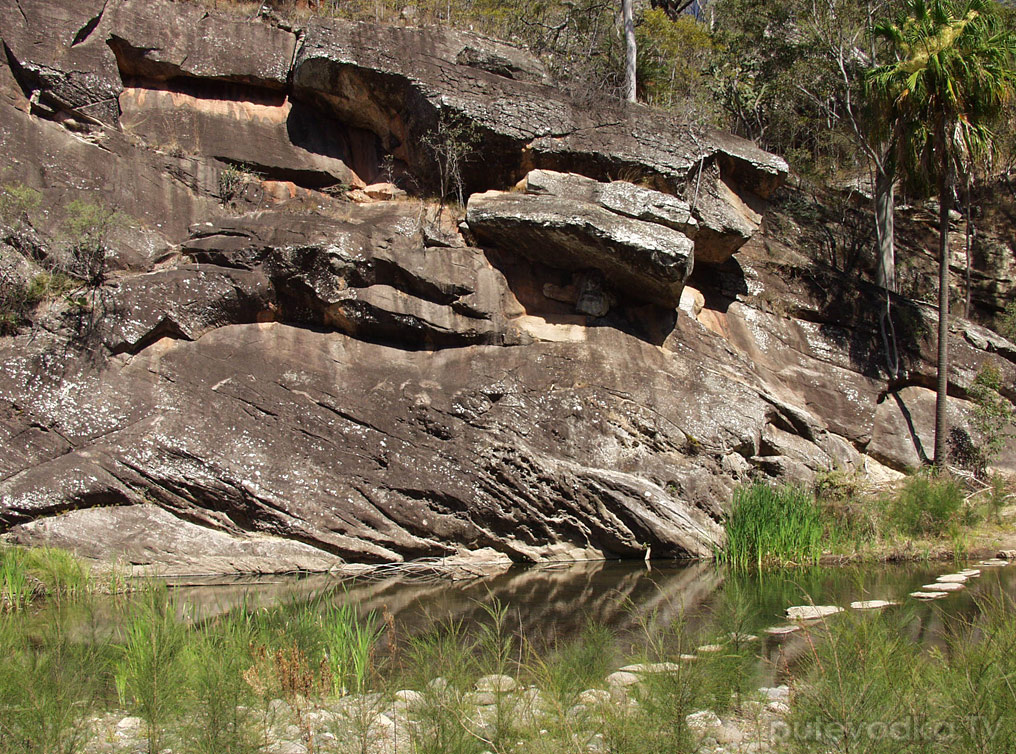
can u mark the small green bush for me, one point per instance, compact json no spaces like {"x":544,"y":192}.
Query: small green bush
{"x":925,"y":505}
{"x":17,"y":203}
{"x":769,"y":525}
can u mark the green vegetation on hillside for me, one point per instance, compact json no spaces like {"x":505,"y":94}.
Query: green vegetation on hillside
{"x":776,"y":525}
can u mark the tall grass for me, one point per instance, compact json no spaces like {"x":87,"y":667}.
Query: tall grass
{"x":47,"y":684}
{"x":926,"y":505}
{"x":29,"y":573}
{"x":349,"y":643}
{"x":867,"y":686}
{"x":150,"y":674}
{"x":772,"y":525}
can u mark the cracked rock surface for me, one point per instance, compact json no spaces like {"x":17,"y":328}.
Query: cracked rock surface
{"x":297,"y":369}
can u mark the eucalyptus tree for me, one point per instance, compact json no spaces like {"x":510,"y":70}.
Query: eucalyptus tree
{"x":947,"y":87}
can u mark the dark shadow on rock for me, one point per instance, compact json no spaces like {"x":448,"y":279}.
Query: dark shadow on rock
{"x":552,"y":294}
{"x":914,"y":437}
{"x":721,"y":284}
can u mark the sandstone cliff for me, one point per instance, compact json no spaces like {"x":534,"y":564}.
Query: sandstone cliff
{"x":293,"y":362}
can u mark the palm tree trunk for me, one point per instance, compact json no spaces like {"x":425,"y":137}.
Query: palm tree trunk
{"x":884,"y":231}
{"x":945,"y":188}
{"x":630,"y":50}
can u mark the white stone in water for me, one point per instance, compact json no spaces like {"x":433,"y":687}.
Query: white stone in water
{"x":872,"y":604}
{"x":709,"y":648}
{"x":782,"y":630}
{"x":812,"y":612}
{"x":929,"y":595}
{"x":687,"y":658}
{"x":952,"y":578}
{"x":971,"y":573}
{"x":940,"y":586}
{"x":495,"y":683}
{"x":996,"y":563}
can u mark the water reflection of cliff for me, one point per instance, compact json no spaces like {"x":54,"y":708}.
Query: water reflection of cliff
{"x":552,"y":603}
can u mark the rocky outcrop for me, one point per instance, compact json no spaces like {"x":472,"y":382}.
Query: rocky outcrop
{"x":643,"y":260}
{"x":275,"y":376}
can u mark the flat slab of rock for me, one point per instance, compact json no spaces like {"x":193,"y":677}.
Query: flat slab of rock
{"x":872,"y":604}
{"x":812,"y":612}
{"x":929,"y":595}
{"x":952,"y":578}
{"x":943,"y":586}
{"x":995,"y":563}
{"x":645,"y":261}
{"x":970,"y":573}
{"x":782,"y":630}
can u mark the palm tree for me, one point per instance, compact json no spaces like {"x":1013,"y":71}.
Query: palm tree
{"x":952,"y":77}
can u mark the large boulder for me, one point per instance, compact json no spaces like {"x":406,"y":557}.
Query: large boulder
{"x":646,"y":261}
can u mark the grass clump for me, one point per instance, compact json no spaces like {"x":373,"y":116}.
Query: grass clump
{"x":28,"y":574}
{"x":868,"y":685}
{"x":772,"y":525}
{"x":925,"y":505}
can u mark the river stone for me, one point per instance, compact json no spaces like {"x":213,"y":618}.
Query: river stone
{"x":409,"y":697}
{"x":1006,"y":555}
{"x":970,"y":573}
{"x":651,"y":667}
{"x":872,"y":604}
{"x":703,"y":722}
{"x":775,"y":693}
{"x":995,"y":563}
{"x":594,"y":697}
{"x":812,"y":612}
{"x":929,"y":595}
{"x":943,"y":586}
{"x":741,"y":638}
{"x":952,"y":578}
{"x":497,"y":683}
{"x":622,"y":678}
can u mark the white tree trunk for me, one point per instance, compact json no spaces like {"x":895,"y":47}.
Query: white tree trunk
{"x":631,"y":52}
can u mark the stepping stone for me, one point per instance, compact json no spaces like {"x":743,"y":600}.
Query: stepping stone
{"x":688,"y":658}
{"x":812,"y":612}
{"x":710,"y":648}
{"x":734,"y":636}
{"x":929,"y":595}
{"x":996,"y":563}
{"x":782,"y":630}
{"x":952,"y":578}
{"x":872,"y":604}
{"x":939,"y":586}
{"x":970,"y":573}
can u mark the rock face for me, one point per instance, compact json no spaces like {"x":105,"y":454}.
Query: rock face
{"x":275,"y":377}
{"x":642,"y":260}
